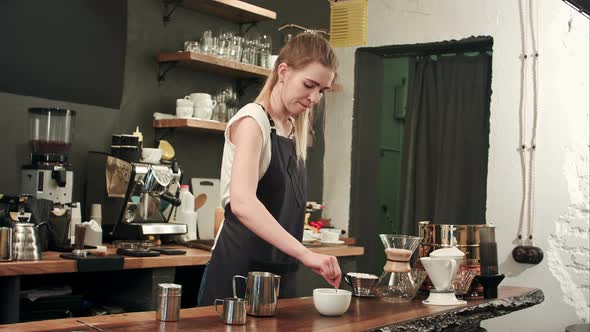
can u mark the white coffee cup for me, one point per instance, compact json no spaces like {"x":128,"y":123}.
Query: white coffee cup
{"x":202,"y":105}
{"x":329,"y":236}
{"x":330,"y":301}
{"x":185,"y":102}
{"x":96,"y":210}
{"x":309,"y":235}
{"x":96,"y":213}
{"x":441,"y":271}
{"x":184,"y":112}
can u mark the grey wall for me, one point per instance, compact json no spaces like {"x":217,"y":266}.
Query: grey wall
{"x":46,"y":57}
{"x":199,"y":153}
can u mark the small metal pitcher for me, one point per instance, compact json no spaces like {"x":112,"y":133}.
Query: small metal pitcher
{"x":26,"y":244}
{"x":262,"y":293}
{"x":234,"y":310}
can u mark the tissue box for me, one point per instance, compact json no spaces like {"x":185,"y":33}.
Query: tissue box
{"x":93,"y":236}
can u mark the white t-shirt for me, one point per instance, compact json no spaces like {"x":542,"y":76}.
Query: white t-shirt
{"x":256,"y":112}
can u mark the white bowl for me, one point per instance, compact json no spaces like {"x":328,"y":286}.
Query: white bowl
{"x":331,"y":302}
{"x":152,"y":156}
{"x":329,"y":236}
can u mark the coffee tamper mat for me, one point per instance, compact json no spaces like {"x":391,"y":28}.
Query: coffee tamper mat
{"x":169,"y":251}
{"x":137,"y":252}
{"x":93,"y":263}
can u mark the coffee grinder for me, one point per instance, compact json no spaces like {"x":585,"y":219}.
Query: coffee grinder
{"x":50,"y":175}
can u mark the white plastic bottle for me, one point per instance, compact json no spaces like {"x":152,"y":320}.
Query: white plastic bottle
{"x":186,"y":214}
{"x":187,"y":200}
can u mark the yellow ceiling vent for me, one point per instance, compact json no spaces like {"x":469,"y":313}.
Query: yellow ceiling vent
{"x":348,"y":22}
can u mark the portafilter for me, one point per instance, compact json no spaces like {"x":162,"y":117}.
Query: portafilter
{"x":156,"y":182}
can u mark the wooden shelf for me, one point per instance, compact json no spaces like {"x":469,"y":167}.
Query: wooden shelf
{"x":215,"y":64}
{"x":217,"y":127}
{"x":232,"y":10}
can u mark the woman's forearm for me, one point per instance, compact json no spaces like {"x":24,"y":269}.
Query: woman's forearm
{"x":255,"y":217}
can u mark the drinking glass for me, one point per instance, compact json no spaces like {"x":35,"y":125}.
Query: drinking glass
{"x":207,"y":41}
{"x":224,"y":40}
{"x":236,"y":48}
{"x":265,"y":51}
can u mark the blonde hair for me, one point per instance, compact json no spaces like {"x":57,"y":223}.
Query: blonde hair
{"x":300,"y":51}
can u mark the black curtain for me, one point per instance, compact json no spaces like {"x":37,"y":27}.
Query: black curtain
{"x":445,"y":153}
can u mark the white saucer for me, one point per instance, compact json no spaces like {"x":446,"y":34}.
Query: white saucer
{"x":442,"y":298}
{"x":332,"y":243}
{"x":456,"y":302}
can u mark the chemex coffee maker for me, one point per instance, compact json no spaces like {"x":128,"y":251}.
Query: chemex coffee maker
{"x":137,"y":199}
{"x":469,"y":240}
{"x":50,"y":175}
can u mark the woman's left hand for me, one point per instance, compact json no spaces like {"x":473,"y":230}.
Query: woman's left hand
{"x":324,"y":265}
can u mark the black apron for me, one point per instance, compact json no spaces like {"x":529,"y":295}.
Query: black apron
{"x":282,"y":190}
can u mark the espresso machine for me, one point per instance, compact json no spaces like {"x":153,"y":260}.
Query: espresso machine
{"x":137,"y":199}
{"x":50,"y":175}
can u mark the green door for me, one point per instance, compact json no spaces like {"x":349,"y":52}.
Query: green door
{"x":392,"y":131}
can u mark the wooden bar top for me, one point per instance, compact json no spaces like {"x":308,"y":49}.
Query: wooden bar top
{"x":364,"y":314}
{"x":52,"y":263}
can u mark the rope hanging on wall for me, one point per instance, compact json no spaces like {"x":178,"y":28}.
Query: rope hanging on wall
{"x":523,"y":253}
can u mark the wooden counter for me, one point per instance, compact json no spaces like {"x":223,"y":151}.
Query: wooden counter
{"x":300,"y":315}
{"x":52,"y":263}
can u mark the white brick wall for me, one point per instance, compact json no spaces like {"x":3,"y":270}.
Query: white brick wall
{"x":568,"y":253}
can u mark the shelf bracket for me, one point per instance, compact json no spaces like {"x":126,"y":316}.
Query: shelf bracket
{"x":164,"y":68}
{"x":248,"y":27}
{"x":168,"y":7}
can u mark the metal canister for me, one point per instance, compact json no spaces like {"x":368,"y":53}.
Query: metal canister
{"x":5,"y":244}
{"x":168,"y":302}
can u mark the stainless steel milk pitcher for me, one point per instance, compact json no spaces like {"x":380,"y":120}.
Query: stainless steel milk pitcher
{"x":262,"y":293}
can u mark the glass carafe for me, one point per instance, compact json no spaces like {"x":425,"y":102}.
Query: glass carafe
{"x":399,"y":282}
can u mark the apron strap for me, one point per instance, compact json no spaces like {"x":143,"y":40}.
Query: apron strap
{"x":273,"y":127}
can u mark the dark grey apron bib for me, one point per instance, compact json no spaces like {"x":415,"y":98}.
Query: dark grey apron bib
{"x":282,"y":190}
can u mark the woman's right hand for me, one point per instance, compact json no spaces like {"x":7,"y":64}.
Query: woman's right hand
{"x":324,"y":265}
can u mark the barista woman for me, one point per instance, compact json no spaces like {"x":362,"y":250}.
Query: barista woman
{"x":263,"y":185}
